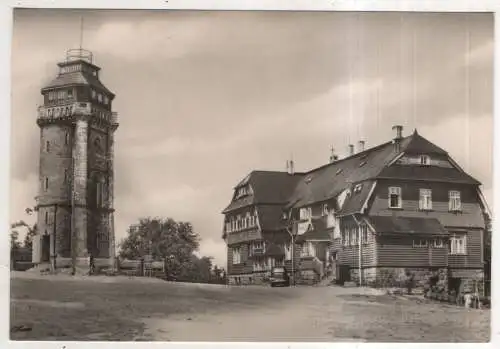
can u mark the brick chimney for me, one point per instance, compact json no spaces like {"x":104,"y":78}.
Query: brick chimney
{"x":333,"y":156}
{"x":397,"y":139}
{"x":290,"y":167}
{"x":351,"y":149}
{"x":361,"y":146}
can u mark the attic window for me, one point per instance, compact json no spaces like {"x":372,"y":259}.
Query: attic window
{"x":358,"y":188}
{"x":425,"y":160}
{"x":362,"y":164}
{"x":338,"y":171}
{"x":308,"y":180}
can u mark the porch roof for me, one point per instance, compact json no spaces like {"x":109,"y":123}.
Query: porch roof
{"x":407,"y":225}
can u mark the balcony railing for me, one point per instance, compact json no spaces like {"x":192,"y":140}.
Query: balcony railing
{"x":71,"y":109}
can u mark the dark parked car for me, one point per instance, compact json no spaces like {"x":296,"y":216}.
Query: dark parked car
{"x":279,"y":277}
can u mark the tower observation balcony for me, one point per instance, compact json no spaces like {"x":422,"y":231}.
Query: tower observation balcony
{"x":78,"y":54}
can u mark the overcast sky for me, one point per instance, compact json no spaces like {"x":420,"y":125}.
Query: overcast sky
{"x":205,"y":97}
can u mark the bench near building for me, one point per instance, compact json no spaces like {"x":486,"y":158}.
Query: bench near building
{"x":402,"y":208}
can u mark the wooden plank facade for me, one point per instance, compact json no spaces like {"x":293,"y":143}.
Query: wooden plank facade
{"x":404,"y":205}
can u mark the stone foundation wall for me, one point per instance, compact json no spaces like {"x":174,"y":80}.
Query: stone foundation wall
{"x":248,"y":279}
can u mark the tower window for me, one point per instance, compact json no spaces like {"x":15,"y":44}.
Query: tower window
{"x":46,"y":183}
{"x":47,"y":146}
{"x":66,"y":138}
{"x":65,"y":175}
{"x":46,"y":218}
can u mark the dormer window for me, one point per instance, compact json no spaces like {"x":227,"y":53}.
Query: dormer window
{"x":358,"y":188}
{"x":339,"y":171}
{"x":94,"y":94}
{"x":106,"y":100}
{"x":70,"y":93}
{"x":99,"y":98}
{"x":425,"y":160}
{"x":326,"y":210}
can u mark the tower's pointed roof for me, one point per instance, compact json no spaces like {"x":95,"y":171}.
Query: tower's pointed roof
{"x":87,"y":76}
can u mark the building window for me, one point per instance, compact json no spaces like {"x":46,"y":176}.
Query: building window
{"x":46,"y":218}
{"x":425,"y":202}
{"x":106,"y":100}
{"x":326,"y":210}
{"x":308,"y":249}
{"x":93,"y":94}
{"x":425,"y":160}
{"x":395,"y":197}
{"x":354,"y":237}
{"x":46,"y":184}
{"x":305,"y":213}
{"x":258,"y":265}
{"x":237,"y":255}
{"x":420,"y":243}
{"x":364,"y":234}
{"x":438,"y":243}
{"x":458,"y":243}
{"x":257,"y":247}
{"x":346,"y":239}
{"x":70,"y":93}
{"x":47,"y":146}
{"x":66,"y":138}
{"x":65,"y":175}
{"x":99,"y":97}
{"x":454,"y":201}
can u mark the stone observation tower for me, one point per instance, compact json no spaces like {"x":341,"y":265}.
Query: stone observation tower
{"x":75,"y":200}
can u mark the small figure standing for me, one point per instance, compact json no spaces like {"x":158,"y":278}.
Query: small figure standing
{"x":91,"y":264}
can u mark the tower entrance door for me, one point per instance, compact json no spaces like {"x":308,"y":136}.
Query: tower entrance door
{"x":45,"y":248}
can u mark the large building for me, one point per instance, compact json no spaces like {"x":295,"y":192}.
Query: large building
{"x":75,"y":200}
{"x":403,"y":207}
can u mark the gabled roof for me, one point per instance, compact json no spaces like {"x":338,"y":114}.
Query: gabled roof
{"x":330,"y":180}
{"x":268,"y":187}
{"x":355,"y":201}
{"x":270,"y":217}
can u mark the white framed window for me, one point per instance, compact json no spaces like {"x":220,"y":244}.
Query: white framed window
{"x":420,"y":243}
{"x":65,"y":175}
{"x":347,"y":239}
{"x":94,"y":94}
{"x":438,"y":243}
{"x":288,"y":251}
{"x":70,"y":93}
{"x":258,"y":247}
{"x":308,"y":249}
{"x":458,"y":244}
{"x":305,"y":213}
{"x":425,"y":160}
{"x":236,"y":255}
{"x":454,"y":203}
{"x":106,"y":100}
{"x":52,"y":95}
{"x":425,"y":201}
{"x":395,"y":197}
{"x":258,"y":265}
{"x":228,"y":227}
{"x":354,"y":237}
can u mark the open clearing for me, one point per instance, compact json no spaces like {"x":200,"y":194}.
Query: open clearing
{"x":121,"y":309}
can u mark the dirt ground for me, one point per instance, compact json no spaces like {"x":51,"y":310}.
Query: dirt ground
{"x":122,"y":309}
